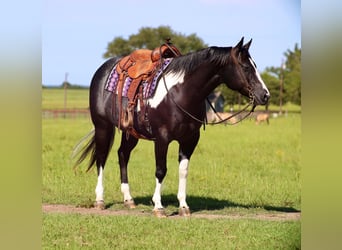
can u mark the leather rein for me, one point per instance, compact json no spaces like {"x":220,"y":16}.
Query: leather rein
{"x":205,"y":120}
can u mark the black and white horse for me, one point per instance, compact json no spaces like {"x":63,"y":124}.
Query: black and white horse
{"x":174,"y":112}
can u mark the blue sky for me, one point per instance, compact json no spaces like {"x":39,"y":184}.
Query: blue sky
{"x":75,"y":34}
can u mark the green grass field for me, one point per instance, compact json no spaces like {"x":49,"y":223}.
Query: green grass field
{"x":241,"y":169}
{"x":75,"y":98}
{"x":62,"y":231}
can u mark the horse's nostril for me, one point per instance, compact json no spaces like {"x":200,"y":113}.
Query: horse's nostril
{"x":266,"y":96}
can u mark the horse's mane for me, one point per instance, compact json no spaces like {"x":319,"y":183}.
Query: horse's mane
{"x":189,"y":62}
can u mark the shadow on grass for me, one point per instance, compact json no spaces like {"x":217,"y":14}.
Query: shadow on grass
{"x":198,"y":203}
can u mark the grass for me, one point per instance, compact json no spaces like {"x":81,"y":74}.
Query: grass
{"x":75,"y":98}
{"x":246,"y":165}
{"x":242,"y":169}
{"x":130,"y":232}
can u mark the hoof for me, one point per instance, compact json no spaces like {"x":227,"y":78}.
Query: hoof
{"x":159,"y":212}
{"x":184,"y":211}
{"x":99,"y":205}
{"x":129,"y":203}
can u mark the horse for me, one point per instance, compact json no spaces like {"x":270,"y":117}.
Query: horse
{"x":176,"y":111}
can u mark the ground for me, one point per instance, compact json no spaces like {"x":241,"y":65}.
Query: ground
{"x":56,"y":208}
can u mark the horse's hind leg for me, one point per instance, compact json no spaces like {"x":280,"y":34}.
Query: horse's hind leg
{"x":104,"y":137}
{"x":124,"y":152}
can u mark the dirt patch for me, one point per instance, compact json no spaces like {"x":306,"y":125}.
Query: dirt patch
{"x":69,"y":209}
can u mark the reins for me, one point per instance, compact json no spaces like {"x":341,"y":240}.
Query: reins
{"x":205,"y":121}
{"x":233,"y":115}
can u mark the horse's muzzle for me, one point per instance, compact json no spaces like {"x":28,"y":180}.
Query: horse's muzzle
{"x":262,"y":97}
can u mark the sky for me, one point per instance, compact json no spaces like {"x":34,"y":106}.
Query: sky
{"x":75,"y":34}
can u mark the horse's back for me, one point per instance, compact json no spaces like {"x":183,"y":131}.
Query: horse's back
{"x":97,"y":94}
{"x":101,"y":74}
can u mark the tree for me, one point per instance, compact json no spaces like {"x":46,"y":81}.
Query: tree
{"x":292,"y":75}
{"x":150,"y":38}
{"x":272,"y":81}
{"x":291,"y":78}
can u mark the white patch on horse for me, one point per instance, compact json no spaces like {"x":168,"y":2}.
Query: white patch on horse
{"x":99,"y":186}
{"x":183,"y":173}
{"x":157,"y":196}
{"x":125,"y":191}
{"x":258,"y":76}
{"x":171,"y":79}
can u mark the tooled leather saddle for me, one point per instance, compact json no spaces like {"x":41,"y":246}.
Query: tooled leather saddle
{"x":140,"y":66}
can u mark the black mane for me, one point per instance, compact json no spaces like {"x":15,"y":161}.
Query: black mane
{"x":189,"y":62}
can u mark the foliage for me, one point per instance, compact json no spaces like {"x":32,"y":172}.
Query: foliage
{"x":150,"y":38}
{"x":291,"y":76}
{"x":272,"y":82}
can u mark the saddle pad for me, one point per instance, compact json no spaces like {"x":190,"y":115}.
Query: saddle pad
{"x":148,"y":87}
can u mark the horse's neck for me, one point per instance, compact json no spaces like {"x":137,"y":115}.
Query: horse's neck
{"x":203,"y":83}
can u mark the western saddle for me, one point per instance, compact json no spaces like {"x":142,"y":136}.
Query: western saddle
{"x":141,"y":65}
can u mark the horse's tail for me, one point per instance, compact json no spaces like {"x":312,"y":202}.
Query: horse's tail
{"x":89,"y":148}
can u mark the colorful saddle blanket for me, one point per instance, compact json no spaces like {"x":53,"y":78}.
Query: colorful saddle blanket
{"x":148,"y":87}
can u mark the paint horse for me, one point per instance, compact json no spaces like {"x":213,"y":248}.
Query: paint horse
{"x":175,"y":111}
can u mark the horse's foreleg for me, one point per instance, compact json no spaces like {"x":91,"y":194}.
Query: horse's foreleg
{"x":124,"y":153}
{"x":185,"y":151}
{"x":161,"y":169}
{"x":184,"y":209}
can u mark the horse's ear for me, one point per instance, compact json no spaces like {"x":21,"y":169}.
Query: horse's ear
{"x":247,"y":45}
{"x":238,"y":47}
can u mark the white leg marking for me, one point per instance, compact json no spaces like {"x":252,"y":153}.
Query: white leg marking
{"x":99,"y":186}
{"x":125,"y":192}
{"x":157,"y":196}
{"x":183,"y":173}
{"x":171,"y":79}
{"x":258,"y":76}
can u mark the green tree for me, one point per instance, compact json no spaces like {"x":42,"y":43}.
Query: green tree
{"x":272,"y":81}
{"x":291,"y":76}
{"x":150,"y":38}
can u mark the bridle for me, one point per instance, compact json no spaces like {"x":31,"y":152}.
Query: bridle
{"x":205,"y":120}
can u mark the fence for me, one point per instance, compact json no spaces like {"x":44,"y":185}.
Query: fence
{"x":65,"y":113}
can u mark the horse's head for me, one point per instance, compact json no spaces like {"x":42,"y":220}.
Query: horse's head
{"x":243,"y":75}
